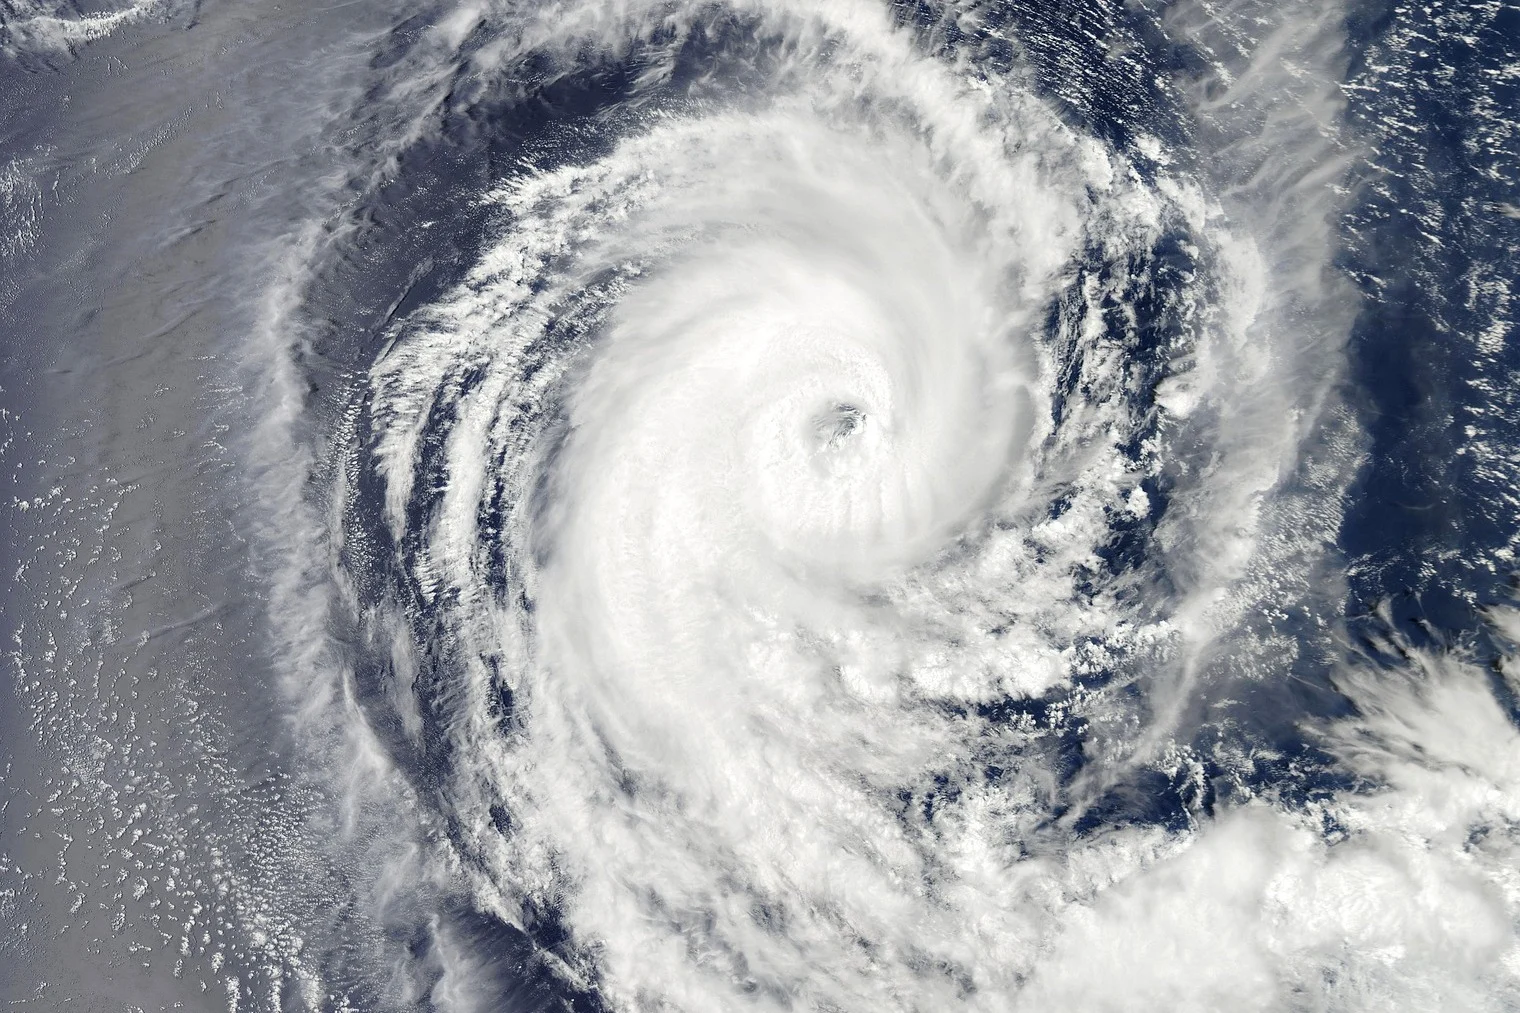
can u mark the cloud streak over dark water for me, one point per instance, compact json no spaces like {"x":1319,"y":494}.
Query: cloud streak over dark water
{"x":759,"y":506}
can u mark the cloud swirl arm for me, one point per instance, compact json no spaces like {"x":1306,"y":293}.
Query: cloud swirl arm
{"x":839,"y":497}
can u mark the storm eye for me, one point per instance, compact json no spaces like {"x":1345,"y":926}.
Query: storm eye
{"x":837,"y":424}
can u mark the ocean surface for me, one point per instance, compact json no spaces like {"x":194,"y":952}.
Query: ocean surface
{"x":769,"y":505}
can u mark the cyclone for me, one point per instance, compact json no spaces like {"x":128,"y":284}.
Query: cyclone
{"x":792,"y":506}
{"x":796,"y":542}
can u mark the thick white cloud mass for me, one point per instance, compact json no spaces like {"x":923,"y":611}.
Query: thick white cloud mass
{"x":766,"y":505}
{"x":762,"y":412}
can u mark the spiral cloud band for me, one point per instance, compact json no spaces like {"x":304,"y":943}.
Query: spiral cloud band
{"x":839,"y":490}
{"x":760,"y":506}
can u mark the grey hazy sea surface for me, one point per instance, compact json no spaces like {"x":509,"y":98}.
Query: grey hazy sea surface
{"x":763,"y":505}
